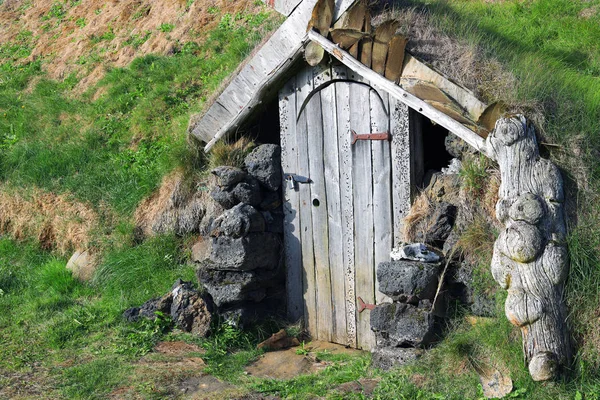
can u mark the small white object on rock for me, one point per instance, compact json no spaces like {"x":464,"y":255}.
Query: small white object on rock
{"x":453,"y":168}
{"x":414,"y":252}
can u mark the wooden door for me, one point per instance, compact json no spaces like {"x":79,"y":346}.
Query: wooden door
{"x":338,"y":227}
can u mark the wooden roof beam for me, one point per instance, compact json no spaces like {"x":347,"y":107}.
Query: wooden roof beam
{"x":472,"y":138}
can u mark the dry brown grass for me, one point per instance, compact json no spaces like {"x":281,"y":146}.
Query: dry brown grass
{"x":58,"y":222}
{"x":230,"y":154}
{"x":414,"y":222}
{"x":177,"y":206}
{"x":65,"y":45}
{"x":161,"y":205}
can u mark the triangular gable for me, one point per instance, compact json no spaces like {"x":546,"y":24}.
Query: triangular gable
{"x":259,"y":75}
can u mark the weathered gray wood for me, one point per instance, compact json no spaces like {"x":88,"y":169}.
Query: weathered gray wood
{"x":397,"y":92}
{"x":286,"y":7}
{"x":363,"y":211}
{"x":318,"y":207}
{"x":304,"y":85}
{"x":342,"y":95}
{"x":291,"y":203}
{"x":401,"y":166}
{"x":415,"y":70}
{"x":265,"y":70}
{"x":334,"y":210}
{"x":382,"y":186}
{"x":530,"y":257}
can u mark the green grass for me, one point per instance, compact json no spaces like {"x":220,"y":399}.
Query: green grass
{"x":115,"y":149}
{"x":112,"y":150}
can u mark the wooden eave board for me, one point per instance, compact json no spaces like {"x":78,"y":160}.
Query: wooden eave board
{"x":263,"y":69}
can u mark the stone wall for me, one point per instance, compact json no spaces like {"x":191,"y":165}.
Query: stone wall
{"x":242,"y":271}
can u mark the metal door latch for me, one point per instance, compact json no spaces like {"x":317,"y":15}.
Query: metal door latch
{"x":293,"y":180}
{"x":362,"y":306}
{"x":371,"y":136}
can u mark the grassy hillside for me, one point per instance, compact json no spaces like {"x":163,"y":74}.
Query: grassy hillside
{"x":88,"y":130}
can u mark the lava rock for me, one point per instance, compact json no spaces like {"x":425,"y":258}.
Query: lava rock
{"x":402,"y":325}
{"x":264,"y":163}
{"x":248,"y":314}
{"x":274,"y":221}
{"x":238,"y":221}
{"x":408,"y":278}
{"x":225,"y":198}
{"x":271,"y":201}
{"x":231,"y":287}
{"x":189,"y":310}
{"x":256,"y":250}
{"x":443,"y":218}
{"x":457,"y":147}
{"x":228,"y":176}
{"x":149,"y":308}
{"x":386,"y":358}
{"x":248,"y":192}
{"x":201,"y":249}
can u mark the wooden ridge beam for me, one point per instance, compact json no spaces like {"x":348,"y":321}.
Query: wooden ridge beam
{"x":472,"y":138}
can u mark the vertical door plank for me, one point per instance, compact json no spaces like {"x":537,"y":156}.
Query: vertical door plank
{"x":334,"y":211}
{"x":304,"y":83}
{"x":318,"y":208}
{"x":291,"y":221}
{"x":342,"y":95}
{"x":382,"y":186}
{"x":401,"y":166}
{"x":363,"y":209}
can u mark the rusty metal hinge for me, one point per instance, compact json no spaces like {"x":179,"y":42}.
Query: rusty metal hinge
{"x":371,"y":136}
{"x":362,"y":306}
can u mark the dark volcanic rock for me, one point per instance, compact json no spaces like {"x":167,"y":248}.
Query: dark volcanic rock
{"x":456,"y":147}
{"x":238,"y":222}
{"x":264,"y":163}
{"x":408,"y":278}
{"x":402,"y":325}
{"x":185,"y":305}
{"x":386,"y":358}
{"x":189,"y":310}
{"x":256,"y":250}
{"x":248,"y":192}
{"x":225,"y":198}
{"x":271,"y":201}
{"x":230,"y":287}
{"x":274,"y":220}
{"x":228,"y":176}
{"x":149,"y":308}
{"x":442,"y":218}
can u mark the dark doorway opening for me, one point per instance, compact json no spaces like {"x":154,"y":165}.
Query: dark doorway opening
{"x":435,"y":154}
{"x":265,"y":127}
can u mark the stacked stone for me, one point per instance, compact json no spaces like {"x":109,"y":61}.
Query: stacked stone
{"x":243,"y":274}
{"x":406,"y":325}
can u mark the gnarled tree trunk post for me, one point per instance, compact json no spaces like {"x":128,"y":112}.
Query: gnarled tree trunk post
{"x":530,"y":256}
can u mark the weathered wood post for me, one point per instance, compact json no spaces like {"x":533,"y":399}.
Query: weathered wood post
{"x":530,"y":256}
